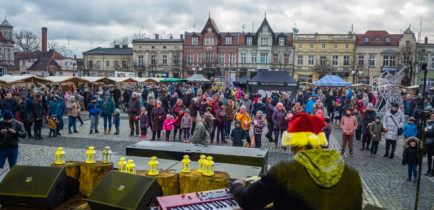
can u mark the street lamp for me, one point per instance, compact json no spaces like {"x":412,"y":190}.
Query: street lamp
{"x":73,"y":69}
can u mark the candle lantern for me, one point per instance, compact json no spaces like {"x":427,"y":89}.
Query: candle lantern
{"x":153,"y":166}
{"x":185,"y":164}
{"x":107,"y":155}
{"x":201,"y":163}
{"x":121,"y":165}
{"x":59,"y":156}
{"x":131,"y":167}
{"x":90,"y":155}
{"x":208,"y":167}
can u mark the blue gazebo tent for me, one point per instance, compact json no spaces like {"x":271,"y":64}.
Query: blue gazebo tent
{"x":331,"y":80}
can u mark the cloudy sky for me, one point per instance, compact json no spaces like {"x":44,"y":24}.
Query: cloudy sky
{"x":93,"y":23}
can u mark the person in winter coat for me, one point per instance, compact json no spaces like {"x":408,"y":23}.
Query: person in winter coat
{"x":247,"y":103}
{"x":375,"y":130}
{"x":117,"y":120}
{"x":29,"y":109}
{"x":409,"y":105}
{"x":194,"y":108}
{"x":338,"y":112}
{"x":348,"y":125}
{"x":230,"y":110}
{"x":429,"y":145}
{"x":186,"y":125}
{"x":38,"y":115}
{"x":269,"y":109}
{"x":168,"y":125}
{"x":143,"y":118}
{"x":201,"y":134}
{"x":368,"y":117}
{"x":409,"y":129}
{"x":238,"y":134}
{"x":187,"y":98}
{"x":73,"y":111}
{"x":317,"y":106}
{"x":107,"y":107}
{"x":10,"y":132}
{"x":360,"y":106}
{"x":10,"y":104}
{"x":392,"y":122}
{"x":409,"y":158}
{"x":329,"y":103}
{"x":258,"y":126}
{"x":52,"y":125}
{"x":157,"y":119}
{"x":220,"y":120}
{"x":359,"y":124}
{"x":287,"y":102}
{"x":133,"y":114}
{"x":22,"y":111}
{"x":178,"y":111}
{"x":278,"y":122}
{"x":309,"y":105}
{"x":327,"y":130}
{"x":94,"y":111}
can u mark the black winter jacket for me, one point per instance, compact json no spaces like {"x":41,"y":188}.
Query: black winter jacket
{"x":9,"y":140}
{"x":410,"y":156}
{"x":237,"y":136}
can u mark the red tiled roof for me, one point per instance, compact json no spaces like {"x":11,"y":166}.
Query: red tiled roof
{"x":378,"y":38}
{"x":43,"y":59}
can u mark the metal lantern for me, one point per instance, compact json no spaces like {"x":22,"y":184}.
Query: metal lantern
{"x":208,"y":167}
{"x":131,"y":167}
{"x":90,"y":155}
{"x":201,"y":164}
{"x":107,"y":155}
{"x":153,"y":166}
{"x":59,"y":156}
{"x":185,"y":164}
{"x":121,"y":165}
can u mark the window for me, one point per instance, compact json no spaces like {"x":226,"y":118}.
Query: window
{"x":366,"y":39}
{"x":406,"y":60}
{"x":195,"y":41}
{"x":98,"y":64}
{"x":432,"y":63}
{"x":232,"y":58}
{"x":286,"y":58}
{"x":228,"y":40}
{"x":335,"y":60}
{"x":264,"y":58}
{"x":221,"y":58}
{"x":385,"y":60}
{"x":164,"y":47}
{"x":164,"y":59}
{"x":107,"y":63}
{"x":190,"y":57}
{"x":66,"y":63}
{"x":116,"y":64}
{"x":200,"y":58}
{"x":153,"y":47}
{"x":310,"y":61}
{"x":336,"y":46}
{"x":281,"y":41}
{"x":346,"y":60}
{"x":264,"y":41}
{"x":153,"y":62}
{"x":209,"y":57}
{"x":140,"y":61}
{"x":371,"y":60}
{"x":243,"y":57}
{"x":304,"y":78}
{"x":275,"y":58}
{"x":209,"y":41}
{"x":388,"y":40}
{"x":249,"y":41}
{"x":311,"y":46}
{"x":322,"y":60}
{"x":175,"y":59}
{"x":392,"y":60}
{"x":253,"y":58}
{"x":347,"y":46}
{"x":407,"y":43}
{"x":124,"y":64}
{"x":323,"y":46}
{"x":300,"y":46}
{"x":300,"y":60}
{"x":361,"y":60}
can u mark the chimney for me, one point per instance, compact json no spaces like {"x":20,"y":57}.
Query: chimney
{"x":125,"y":46}
{"x":171,"y":37}
{"x":44,"y":39}
{"x":156,"y":36}
{"x":117,"y":46}
{"x":426,"y":40}
{"x":181,"y":36}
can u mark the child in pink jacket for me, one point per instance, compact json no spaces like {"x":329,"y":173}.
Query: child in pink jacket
{"x":168,"y":125}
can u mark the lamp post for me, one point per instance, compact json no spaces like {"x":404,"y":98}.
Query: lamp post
{"x":73,"y":69}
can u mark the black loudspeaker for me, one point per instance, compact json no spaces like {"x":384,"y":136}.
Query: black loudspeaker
{"x":371,"y":207}
{"x":124,"y":191}
{"x":34,"y":186}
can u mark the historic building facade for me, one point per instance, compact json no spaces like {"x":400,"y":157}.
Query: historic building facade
{"x":316,"y":55}
{"x":108,"y":61}
{"x":265,"y":50}
{"x":425,"y":53}
{"x":211,"y":52}
{"x":161,"y":58}
{"x":6,"y":46}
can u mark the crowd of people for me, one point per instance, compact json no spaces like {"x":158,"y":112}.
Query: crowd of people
{"x":192,"y":113}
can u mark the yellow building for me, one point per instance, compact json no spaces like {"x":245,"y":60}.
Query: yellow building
{"x":316,"y":55}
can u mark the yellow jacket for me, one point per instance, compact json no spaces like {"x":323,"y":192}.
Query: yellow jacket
{"x":244,"y":119}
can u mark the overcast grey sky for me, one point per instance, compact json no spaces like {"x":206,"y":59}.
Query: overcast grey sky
{"x":93,"y":23}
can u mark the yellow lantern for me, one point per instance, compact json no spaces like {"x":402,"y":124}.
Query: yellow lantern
{"x":131,"y":167}
{"x":90,"y":155}
{"x":121,"y":165}
{"x":59,"y":156}
{"x":201,"y":163}
{"x":185,"y":164}
{"x":107,"y":155}
{"x":153,"y":166}
{"x":208,"y":167}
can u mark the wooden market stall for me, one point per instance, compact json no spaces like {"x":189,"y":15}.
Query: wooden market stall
{"x":9,"y":80}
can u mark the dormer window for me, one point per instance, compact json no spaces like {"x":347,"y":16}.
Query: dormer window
{"x":249,"y":41}
{"x":209,"y":29}
{"x":195,"y":41}
{"x":367,"y":39}
{"x":265,"y":29}
{"x":281,"y":41}
{"x":228,"y":40}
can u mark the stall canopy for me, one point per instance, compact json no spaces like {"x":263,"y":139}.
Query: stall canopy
{"x":241,"y":81}
{"x":121,"y":79}
{"x":198,"y":78}
{"x":173,"y":80}
{"x":10,"y":79}
{"x":331,"y":80}
{"x":93,"y":79}
{"x":265,"y":82}
{"x":61,"y":79}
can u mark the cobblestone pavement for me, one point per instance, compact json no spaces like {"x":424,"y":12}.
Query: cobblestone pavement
{"x":384,"y":180}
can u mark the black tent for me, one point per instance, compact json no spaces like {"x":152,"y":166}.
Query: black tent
{"x":265,"y":82}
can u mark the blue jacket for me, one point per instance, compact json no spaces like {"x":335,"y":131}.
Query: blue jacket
{"x":409,"y":130}
{"x":93,"y":109}
{"x":54,"y":108}
{"x":309,"y":105}
{"x":29,"y":104}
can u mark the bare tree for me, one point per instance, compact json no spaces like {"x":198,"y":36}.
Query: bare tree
{"x":121,"y":41}
{"x":26,"y":41}
{"x":62,"y":49}
{"x":407,"y":56}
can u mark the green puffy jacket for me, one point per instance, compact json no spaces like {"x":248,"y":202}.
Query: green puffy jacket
{"x":108,"y":108}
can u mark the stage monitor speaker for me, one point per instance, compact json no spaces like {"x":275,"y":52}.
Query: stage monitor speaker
{"x":34,"y":187}
{"x":124,"y":191}
{"x":371,"y":207}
